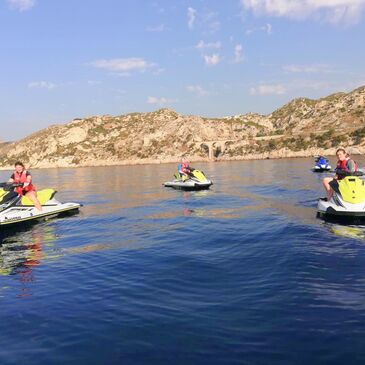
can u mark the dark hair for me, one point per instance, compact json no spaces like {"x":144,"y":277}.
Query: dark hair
{"x":341,"y":150}
{"x":18,"y":163}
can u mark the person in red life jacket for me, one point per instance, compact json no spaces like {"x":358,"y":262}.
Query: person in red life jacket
{"x":184,"y":168}
{"x":344,"y":163}
{"x":22,"y":176}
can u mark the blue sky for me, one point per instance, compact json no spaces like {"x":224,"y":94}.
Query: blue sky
{"x":68,"y":59}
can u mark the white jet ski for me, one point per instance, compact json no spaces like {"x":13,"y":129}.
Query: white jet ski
{"x":348,"y":199}
{"x":15,"y":209}
{"x":196,"y":181}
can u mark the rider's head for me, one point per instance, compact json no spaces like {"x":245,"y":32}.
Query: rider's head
{"x":19,"y":166}
{"x":341,"y":154}
{"x":185,"y":160}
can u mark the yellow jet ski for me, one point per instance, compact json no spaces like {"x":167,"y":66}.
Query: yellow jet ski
{"x":348,"y":199}
{"x":15,"y":209}
{"x":196,"y":181}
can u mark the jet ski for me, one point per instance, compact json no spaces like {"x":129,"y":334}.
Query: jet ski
{"x":321,"y":164}
{"x":16,"y":209}
{"x":196,"y":181}
{"x":348,"y":199}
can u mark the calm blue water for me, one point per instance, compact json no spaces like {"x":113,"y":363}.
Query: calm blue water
{"x":242,"y":274}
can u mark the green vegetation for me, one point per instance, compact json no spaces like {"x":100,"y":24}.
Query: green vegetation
{"x":358,"y":135}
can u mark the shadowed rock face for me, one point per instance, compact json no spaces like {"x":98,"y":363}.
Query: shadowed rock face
{"x":302,"y":127}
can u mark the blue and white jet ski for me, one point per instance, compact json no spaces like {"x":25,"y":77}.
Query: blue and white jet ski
{"x":321,"y":164}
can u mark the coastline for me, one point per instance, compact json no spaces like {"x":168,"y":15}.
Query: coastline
{"x":279,"y":154}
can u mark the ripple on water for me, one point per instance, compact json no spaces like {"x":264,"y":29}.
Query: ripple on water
{"x":241,"y":274}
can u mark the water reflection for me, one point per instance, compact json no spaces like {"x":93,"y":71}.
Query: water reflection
{"x":356,"y":232}
{"x":22,"y":253}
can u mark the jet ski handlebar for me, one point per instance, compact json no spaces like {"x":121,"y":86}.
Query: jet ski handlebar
{"x":8,"y":186}
{"x":343,"y":173}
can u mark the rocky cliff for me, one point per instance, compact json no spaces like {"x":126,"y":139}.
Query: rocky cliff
{"x":302,"y":127}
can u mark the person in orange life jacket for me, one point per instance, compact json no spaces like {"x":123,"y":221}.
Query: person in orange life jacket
{"x":344,"y":163}
{"x":21,"y":175}
{"x":184,"y":168}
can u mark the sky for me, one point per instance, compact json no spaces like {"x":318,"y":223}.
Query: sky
{"x":66,"y":59}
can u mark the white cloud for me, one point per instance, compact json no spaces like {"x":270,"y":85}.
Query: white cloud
{"x":123,"y":66}
{"x":212,"y":60}
{"x":160,"y":101}
{"x":21,"y":5}
{"x":197,"y":89}
{"x":268,"y":89}
{"x":212,"y":45}
{"x":41,"y":85}
{"x":191,"y":17}
{"x":308,"y":69}
{"x":267,"y":28}
{"x":93,"y":82}
{"x":333,"y":11}
{"x":238,"y":56}
{"x":158,"y":28}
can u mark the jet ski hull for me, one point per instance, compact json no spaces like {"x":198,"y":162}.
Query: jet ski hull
{"x":20,"y":214}
{"x":321,"y":169}
{"x":188,"y":185}
{"x":332,"y":211}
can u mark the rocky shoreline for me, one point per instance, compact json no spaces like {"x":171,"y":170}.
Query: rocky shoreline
{"x":301,"y":128}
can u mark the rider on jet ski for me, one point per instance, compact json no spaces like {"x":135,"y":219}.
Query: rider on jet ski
{"x":321,"y":160}
{"x":22,"y":176}
{"x":344,"y":163}
{"x":184,"y":169}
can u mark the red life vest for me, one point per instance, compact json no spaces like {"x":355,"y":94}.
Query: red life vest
{"x":343,"y":165}
{"x":185,"y":167}
{"x":22,"y":178}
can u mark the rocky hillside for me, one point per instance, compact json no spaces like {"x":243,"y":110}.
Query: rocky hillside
{"x":302,"y":127}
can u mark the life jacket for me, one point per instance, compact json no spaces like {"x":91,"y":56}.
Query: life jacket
{"x":344,"y":165}
{"x":20,"y":179}
{"x":185,"y":167}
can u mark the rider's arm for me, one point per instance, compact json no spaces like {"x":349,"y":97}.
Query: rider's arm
{"x":29,"y":179}
{"x":351,"y":166}
{"x":11,"y":180}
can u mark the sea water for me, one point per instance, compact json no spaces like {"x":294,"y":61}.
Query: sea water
{"x":243,"y":273}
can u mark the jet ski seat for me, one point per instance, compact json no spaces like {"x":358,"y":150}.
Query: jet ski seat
{"x":43,"y":196}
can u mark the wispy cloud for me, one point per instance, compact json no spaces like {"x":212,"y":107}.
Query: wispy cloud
{"x":268,"y":89}
{"x":308,"y":69}
{"x":267,"y":28}
{"x":212,"y":60}
{"x":93,"y":82}
{"x":21,"y":5}
{"x":191,"y":17}
{"x":197,"y":89}
{"x":123,"y":66}
{"x":158,"y":28}
{"x":160,"y":101}
{"x":333,"y":11}
{"x":238,"y":53}
{"x":212,"y":45}
{"x":41,"y":85}
{"x":210,"y":21}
